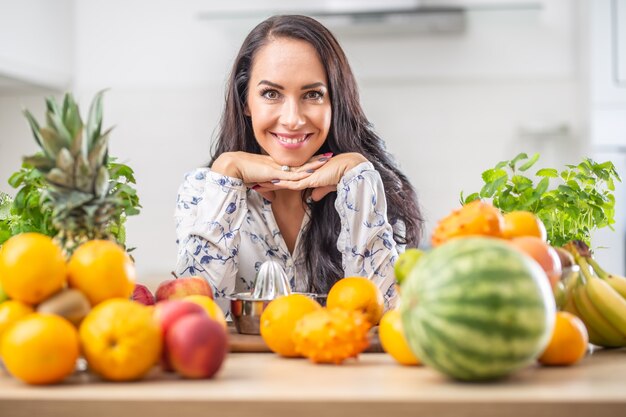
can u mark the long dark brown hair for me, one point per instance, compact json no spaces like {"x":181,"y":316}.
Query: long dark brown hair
{"x":350,"y":131}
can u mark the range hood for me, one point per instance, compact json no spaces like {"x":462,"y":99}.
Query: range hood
{"x":420,"y":17}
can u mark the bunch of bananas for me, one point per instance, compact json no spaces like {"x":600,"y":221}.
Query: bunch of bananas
{"x":598,"y":298}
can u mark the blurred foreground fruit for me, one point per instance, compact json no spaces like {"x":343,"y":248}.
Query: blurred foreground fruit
{"x":279,"y":319}
{"x":69,"y":303}
{"x":477,"y":309}
{"x":101,"y":269}
{"x":10,"y":312}
{"x":545,"y":255}
{"x":477,"y":218}
{"x":357,"y":294}
{"x":197,"y":346}
{"x":523,"y":223}
{"x":173,"y":289}
{"x":331,"y":335}
{"x":40,"y":349}
{"x":120,"y":340}
{"x":406,"y":261}
{"x":210,"y":307}
{"x":393,"y":341}
{"x":598,"y":300}
{"x":142,"y":295}
{"x":3,"y":294}
{"x":569,"y":341}
{"x":165,"y":314}
{"x":32,"y":267}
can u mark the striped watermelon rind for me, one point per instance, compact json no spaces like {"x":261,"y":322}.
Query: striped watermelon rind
{"x":477,"y":309}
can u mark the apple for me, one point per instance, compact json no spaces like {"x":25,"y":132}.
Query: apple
{"x":177,"y":288}
{"x":142,"y":295}
{"x":545,"y":255}
{"x":168,"y":312}
{"x":197,"y":346}
{"x":210,"y":307}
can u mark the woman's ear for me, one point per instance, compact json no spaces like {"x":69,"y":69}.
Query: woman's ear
{"x":246,"y":110}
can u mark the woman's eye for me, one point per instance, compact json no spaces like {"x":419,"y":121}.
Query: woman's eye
{"x":315,"y":95}
{"x":270,"y":94}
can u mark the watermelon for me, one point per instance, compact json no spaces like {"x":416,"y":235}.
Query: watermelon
{"x":477,"y":309}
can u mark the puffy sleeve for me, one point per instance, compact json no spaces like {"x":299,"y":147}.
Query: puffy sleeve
{"x":210,"y":210}
{"x":366,"y":238}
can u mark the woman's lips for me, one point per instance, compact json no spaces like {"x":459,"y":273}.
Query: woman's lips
{"x":291,"y":141}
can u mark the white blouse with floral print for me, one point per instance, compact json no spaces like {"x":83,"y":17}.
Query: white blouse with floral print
{"x":225,"y":231}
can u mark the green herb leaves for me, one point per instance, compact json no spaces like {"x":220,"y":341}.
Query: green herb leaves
{"x":27,"y":212}
{"x":571,"y":203}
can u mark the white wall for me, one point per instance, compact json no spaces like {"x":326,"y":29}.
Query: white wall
{"x":448,"y":106}
{"x":36,"y":41}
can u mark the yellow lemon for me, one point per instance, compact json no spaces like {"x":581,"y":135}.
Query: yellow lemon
{"x":393,"y":341}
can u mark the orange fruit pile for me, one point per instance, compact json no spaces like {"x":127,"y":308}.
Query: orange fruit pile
{"x":357,"y":294}
{"x":569,"y":341}
{"x":523,"y":223}
{"x":279,"y":320}
{"x":32,"y":267}
{"x":120,"y":339}
{"x":101,"y":269}
{"x":40,"y":349}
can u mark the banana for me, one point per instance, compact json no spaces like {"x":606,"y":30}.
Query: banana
{"x":594,"y":337}
{"x":609,"y":335}
{"x":608,"y":302}
{"x":618,"y":283}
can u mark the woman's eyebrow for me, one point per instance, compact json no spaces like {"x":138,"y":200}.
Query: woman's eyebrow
{"x":271,"y":84}
{"x":280,"y":87}
{"x":314,"y":85}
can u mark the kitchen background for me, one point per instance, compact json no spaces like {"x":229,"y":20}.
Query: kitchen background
{"x":453,"y":91}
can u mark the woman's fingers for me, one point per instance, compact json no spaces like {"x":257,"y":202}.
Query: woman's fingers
{"x":314,"y":163}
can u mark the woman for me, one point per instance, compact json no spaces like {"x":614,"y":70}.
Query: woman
{"x":297,"y":174}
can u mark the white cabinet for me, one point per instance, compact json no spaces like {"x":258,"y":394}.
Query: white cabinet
{"x":608,"y":73}
{"x":36,"y":44}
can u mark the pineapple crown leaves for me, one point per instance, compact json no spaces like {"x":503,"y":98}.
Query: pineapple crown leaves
{"x":78,"y":189}
{"x":74,"y":155}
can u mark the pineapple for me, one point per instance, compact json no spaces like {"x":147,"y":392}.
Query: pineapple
{"x":79,"y":194}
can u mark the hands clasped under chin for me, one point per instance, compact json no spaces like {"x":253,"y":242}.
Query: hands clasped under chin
{"x":323,"y":174}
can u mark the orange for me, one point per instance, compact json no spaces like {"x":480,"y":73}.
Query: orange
{"x":360,"y":294}
{"x":32,"y":267}
{"x":523,"y":223}
{"x":212,"y":309}
{"x":10,"y":312}
{"x":393,"y":341}
{"x":40,"y":349}
{"x":279,"y":319}
{"x":101,"y":269}
{"x":120,"y":340}
{"x":569,"y":341}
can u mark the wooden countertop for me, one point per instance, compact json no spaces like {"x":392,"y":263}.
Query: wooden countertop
{"x":263,"y":384}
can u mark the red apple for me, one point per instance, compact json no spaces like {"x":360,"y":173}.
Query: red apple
{"x":197,"y":346}
{"x":545,"y":255}
{"x":142,"y":295}
{"x":175,"y":289}
{"x":166,"y":313}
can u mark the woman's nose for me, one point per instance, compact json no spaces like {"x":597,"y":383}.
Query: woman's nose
{"x":291,"y":116}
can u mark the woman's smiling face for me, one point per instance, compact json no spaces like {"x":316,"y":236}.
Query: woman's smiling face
{"x":288,"y":101}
